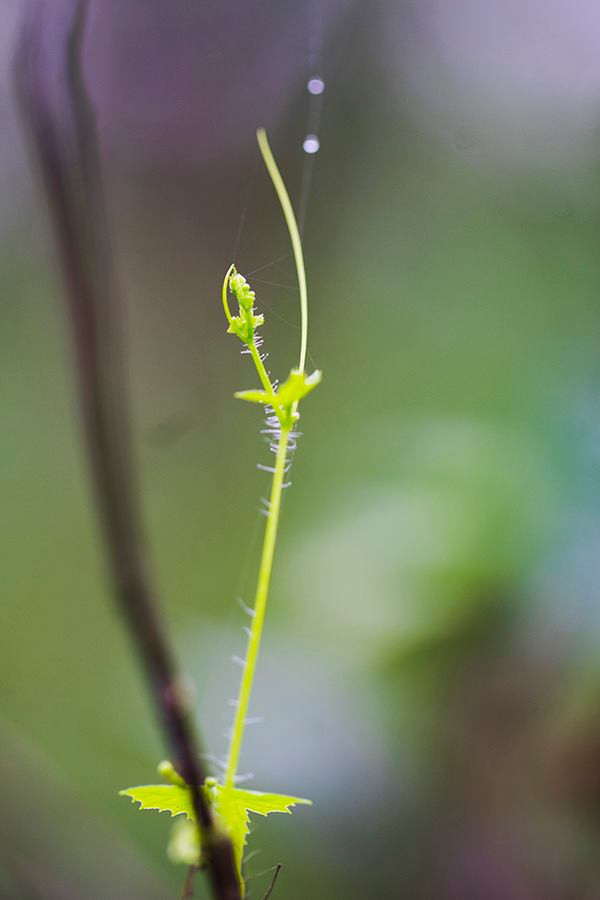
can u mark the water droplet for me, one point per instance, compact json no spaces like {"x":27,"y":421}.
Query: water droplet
{"x":311,"y":143}
{"x":315,"y":86}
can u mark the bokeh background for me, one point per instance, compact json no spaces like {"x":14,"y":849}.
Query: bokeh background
{"x":430,"y":671}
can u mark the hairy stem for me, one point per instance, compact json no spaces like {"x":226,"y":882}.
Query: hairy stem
{"x":260,"y":606}
{"x":260,"y":368}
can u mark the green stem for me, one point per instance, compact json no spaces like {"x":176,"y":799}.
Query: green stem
{"x":292,"y":225}
{"x":270,"y":538}
{"x":260,"y":606}
{"x":260,"y":368}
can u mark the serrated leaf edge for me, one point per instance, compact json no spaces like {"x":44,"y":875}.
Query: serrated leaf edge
{"x":126,"y":792}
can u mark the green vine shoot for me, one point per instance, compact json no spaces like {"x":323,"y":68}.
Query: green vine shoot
{"x":230,"y":804}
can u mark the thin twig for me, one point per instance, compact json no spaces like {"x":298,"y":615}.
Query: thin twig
{"x":273,"y":882}
{"x":66,"y":151}
{"x":188,"y":887}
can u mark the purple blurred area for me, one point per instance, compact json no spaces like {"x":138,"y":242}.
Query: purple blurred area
{"x":191,"y":86}
{"x":514,"y":79}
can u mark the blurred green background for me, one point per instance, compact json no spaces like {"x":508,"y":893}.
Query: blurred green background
{"x":429,"y":674}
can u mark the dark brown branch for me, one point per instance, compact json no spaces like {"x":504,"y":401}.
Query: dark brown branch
{"x":65,"y":146}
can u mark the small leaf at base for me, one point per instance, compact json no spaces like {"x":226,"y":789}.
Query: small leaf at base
{"x":163,"y":797}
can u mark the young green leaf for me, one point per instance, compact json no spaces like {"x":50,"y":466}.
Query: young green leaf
{"x":254,"y":396}
{"x":235,"y":819}
{"x":263,"y":804}
{"x":230,"y":804}
{"x":297,"y":385}
{"x":285,"y":400}
{"x":163,"y":797}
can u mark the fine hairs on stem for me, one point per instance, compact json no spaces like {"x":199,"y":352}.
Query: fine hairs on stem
{"x":229,"y":802}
